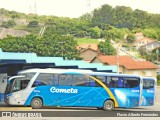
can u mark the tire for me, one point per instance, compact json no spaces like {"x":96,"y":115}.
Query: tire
{"x":36,"y":103}
{"x":108,"y":105}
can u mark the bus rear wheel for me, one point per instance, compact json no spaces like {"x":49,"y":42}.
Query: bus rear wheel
{"x":36,"y":103}
{"x":108,"y":105}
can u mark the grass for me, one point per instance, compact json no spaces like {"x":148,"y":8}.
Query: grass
{"x":86,"y":41}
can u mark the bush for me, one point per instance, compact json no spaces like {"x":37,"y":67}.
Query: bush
{"x":33,"y":24}
{"x":8,"y":24}
{"x":158,"y":79}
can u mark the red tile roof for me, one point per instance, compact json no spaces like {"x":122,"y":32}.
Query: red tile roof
{"x":86,"y":46}
{"x":140,"y":65}
{"x":127,"y":62}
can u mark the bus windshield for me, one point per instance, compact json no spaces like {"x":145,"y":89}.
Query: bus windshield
{"x":19,"y":83}
{"x":147,"y":84}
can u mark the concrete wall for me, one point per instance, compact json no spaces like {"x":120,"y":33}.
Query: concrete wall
{"x":3,"y":82}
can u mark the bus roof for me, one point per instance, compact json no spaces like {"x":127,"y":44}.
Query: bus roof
{"x":59,"y":71}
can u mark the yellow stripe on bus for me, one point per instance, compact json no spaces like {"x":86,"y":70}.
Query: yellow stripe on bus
{"x":107,"y":89}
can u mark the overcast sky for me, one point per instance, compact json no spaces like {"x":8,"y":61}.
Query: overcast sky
{"x":74,"y":8}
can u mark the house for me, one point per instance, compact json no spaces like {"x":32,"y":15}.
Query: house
{"x":88,"y":51}
{"x":150,"y":46}
{"x":88,"y":54}
{"x":127,"y":65}
{"x":141,"y":40}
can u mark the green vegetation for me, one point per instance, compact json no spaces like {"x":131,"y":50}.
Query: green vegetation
{"x":118,"y":24}
{"x":158,"y":79}
{"x":53,"y":45}
{"x":8,"y":24}
{"x":106,"y":48}
{"x":33,"y":24}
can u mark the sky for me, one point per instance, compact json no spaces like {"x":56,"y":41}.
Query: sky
{"x":74,"y":8}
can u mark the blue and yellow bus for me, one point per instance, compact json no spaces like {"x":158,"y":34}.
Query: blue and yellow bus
{"x":73,"y":88}
{"x":149,"y":91}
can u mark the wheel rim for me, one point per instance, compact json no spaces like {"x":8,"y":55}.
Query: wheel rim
{"x":36,"y":103}
{"x":109,"y":106}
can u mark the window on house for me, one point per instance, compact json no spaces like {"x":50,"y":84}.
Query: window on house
{"x":136,"y":72}
{"x":148,"y":73}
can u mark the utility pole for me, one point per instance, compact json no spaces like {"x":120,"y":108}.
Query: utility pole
{"x":157,"y":51}
{"x":117,"y":60}
{"x":117,"y":57}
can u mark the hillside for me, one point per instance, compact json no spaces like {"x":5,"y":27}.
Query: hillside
{"x":105,"y":21}
{"x":4,"y":32}
{"x":118,"y":24}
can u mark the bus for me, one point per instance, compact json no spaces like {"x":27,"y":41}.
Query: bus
{"x":149,"y":91}
{"x":73,"y":88}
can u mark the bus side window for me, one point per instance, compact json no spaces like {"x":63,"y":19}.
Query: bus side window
{"x":126,"y":85}
{"x":43,"y":79}
{"x":92,"y":82}
{"x":102,"y":79}
{"x":131,"y":82}
{"x":55,"y":80}
{"x":120,"y":82}
{"x":112,"y":82}
{"x":64,"y":80}
{"x":80,"y":80}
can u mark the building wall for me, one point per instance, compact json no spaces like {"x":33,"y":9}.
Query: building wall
{"x":152,"y":46}
{"x":144,"y":72}
{"x":88,"y":55}
{"x":142,"y":42}
{"x":3,"y":82}
{"x":121,"y":69}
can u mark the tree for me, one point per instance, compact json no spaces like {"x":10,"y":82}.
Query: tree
{"x":95,"y":32}
{"x":33,"y":24}
{"x":130,"y":38}
{"x":48,"y":45}
{"x":15,"y":16}
{"x":8,"y":24}
{"x":115,"y":34}
{"x":151,"y":33}
{"x":103,"y":15}
{"x":106,"y":48}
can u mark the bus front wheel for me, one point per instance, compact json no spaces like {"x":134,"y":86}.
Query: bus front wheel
{"x":36,"y":103}
{"x":108,"y":105}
